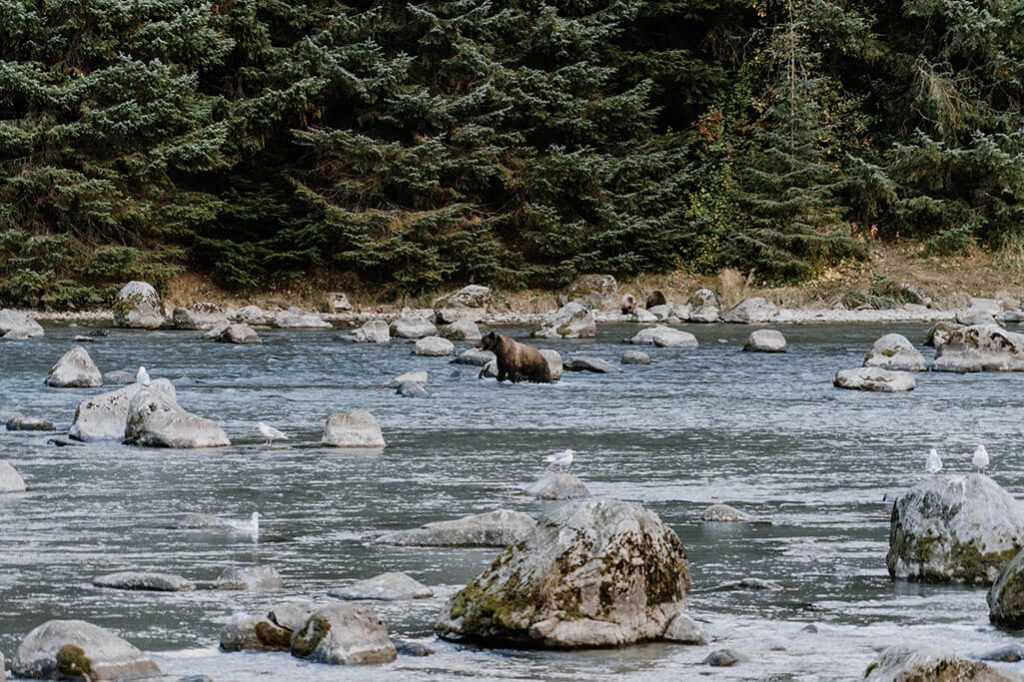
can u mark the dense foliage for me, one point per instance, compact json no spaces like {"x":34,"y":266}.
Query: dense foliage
{"x":405,"y":146}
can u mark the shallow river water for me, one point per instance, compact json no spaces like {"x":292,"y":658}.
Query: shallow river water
{"x":767,"y":433}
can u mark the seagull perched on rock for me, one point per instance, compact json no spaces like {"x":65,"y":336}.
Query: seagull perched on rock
{"x":561,"y":459}
{"x":270,"y":433}
{"x":933,"y":463}
{"x":142,"y":377}
{"x":980,"y":459}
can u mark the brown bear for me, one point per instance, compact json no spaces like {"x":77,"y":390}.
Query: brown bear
{"x":517,"y":361}
{"x":655,"y":298}
{"x":628,"y":304}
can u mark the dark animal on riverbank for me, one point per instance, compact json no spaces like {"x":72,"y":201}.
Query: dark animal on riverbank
{"x":628,"y":304}
{"x":516,"y":361}
{"x":655,"y":298}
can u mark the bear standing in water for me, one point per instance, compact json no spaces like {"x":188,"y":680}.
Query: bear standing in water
{"x":517,"y":361}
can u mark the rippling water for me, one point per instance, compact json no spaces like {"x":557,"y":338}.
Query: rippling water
{"x":767,"y":433}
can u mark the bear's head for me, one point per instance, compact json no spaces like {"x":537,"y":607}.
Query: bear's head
{"x":490,"y":341}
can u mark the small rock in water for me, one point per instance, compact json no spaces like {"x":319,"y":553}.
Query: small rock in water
{"x":1011,"y":653}
{"x":433,"y":346}
{"x":75,"y":369}
{"x":635,"y":357}
{"x":10,"y":480}
{"x":418,"y":376}
{"x":384,"y":587}
{"x":557,"y":485}
{"x":724,"y":658}
{"x":84,"y":339}
{"x":355,"y":429}
{"x":901,"y":663}
{"x":249,"y":578}
{"x":874,"y":379}
{"x":726,"y":513}
{"x":894,"y":351}
{"x":407,"y":647}
{"x":412,"y":389}
{"x":74,"y":648}
{"x":412,"y":328}
{"x":810,"y":628}
{"x":119,"y":377}
{"x":766,"y":341}
{"x":752,"y":584}
{"x":587,"y":363}
{"x":145,"y":581}
{"x":685,"y":630}
{"x":29,"y":424}
{"x":474,"y":356}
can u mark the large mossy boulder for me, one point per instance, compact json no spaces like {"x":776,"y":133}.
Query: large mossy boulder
{"x":1006,"y":596}
{"x":138,"y":306}
{"x":979,"y":348}
{"x":595,"y":572}
{"x":156,"y":420}
{"x":62,"y":649}
{"x":75,"y":369}
{"x":905,"y":664}
{"x":343,"y":634}
{"x":955,"y":528}
{"x":894,"y":351}
{"x":104,"y":416}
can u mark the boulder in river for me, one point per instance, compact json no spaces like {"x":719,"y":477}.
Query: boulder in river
{"x":384,"y":587}
{"x":118,"y":377}
{"x":905,"y":664}
{"x":22,"y":423}
{"x":249,"y":578}
{"x":751,"y":310}
{"x":144,"y":581}
{"x":589,"y":363}
{"x":475,"y":356}
{"x":595,"y":572}
{"x":894,"y":351}
{"x":572,"y":321}
{"x":954,"y":528}
{"x":60,"y":649}
{"x":554,"y":360}
{"x":644,"y":316}
{"x":724,"y":513}
{"x":462,"y":330}
{"x":433,"y":346}
{"x":413,"y":327}
{"x":416,"y":376}
{"x":245,"y":631}
{"x":1006,"y":596}
{"x":766,"y":341}
{"x":979,"y":348}
{"x":297,"y":318}
{"x":343,"y":634}
{"x":201,"y":316}
{"x":557,"y":485}
{"x":104,"y":416}
{"x":138,"y":306}
{"x":355,"y":429}
{"x":19,"y":325}
{"x":635,"y":357}
{"x":706,"y":314}
{"x":239,"y":333}
{"x":874,"y":379}
{"x":252,"y":315}
{"x":491,"y":529}
{"x":372,"y":331}
{"x":685,"y":630}
{"x":664,"y":337}
{"x":75,"y":369}
{"x":723,"y":658}
{"x":156,"y":420}
{"x":10,"y":480}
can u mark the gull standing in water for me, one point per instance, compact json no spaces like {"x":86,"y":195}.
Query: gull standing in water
{"x":933,"y":463}
{"x":562,"y":459}
{"x":980,"y":459}
{"x":142,"y":377}
{"x":270,"y":433}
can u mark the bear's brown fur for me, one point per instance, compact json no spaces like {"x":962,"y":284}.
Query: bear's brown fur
{"x":517,"y":361}
{"x":655,"y":298}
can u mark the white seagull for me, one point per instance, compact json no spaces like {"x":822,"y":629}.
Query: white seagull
{"x":142,"y":377}
{"x":270,"y":433}
{"x":561,"y":459}
{"x":933,"y":463}
{"x":980,"y":459}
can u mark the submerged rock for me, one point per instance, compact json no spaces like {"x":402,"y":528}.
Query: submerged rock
{"x":571,"y":321}
{"x":60,"y":649}
{"x":75,"y":369}
{"x":384,"y":587}
{"x":766,"y":341}
{"x":156,"y":420}
{"x":588,"y":363}
{"x":355,"y":429}
{"x":412,"y":389}
{"x":372,"y":331}
{"x":18,"y":325}
{"x":118,"y":377}
{"x":954,"y":528}
{"x":433,"y":346}
{"x":904,"y":664}
{"x":407,"y":647}
{"x":685,"y":630}
{"x":597,"y":572}
{"x":240,"y":334}
{"x":22,"y":423}
{"x":491,"y":529}
{"x":343,"y":634}
{"x":875,"y":379}
{"x":724,"y":658}
{"x":144,"y":581}
{"x":635,"y":357}
{"x":249,"y":578}
{"x":554,"y":360}
{"x":10,"y":480}
{"x":557,"y":485}
{"x":1011,"y":653}
{"x":723,"y":513}
{"x":980,"y":348}
{"x":413,"y":328}
{"x":474,"y":356}
{"x":138,"y":306}
{"x":894,"y":351}
{"x":105,"y":416}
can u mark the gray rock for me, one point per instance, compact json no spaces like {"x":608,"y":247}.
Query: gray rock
{"x":554,"y":360}
{"x":724,"y":658}
{"x":471,"y":296}
{"x":752,"y":584}
{"x":412,"y":328}
{"x":138,"y":306}
{"x":247,"y":632}
{"x":355,"y":429}
{"x":453,"y":315}
{"x":571,"y":321}
{"x":874,"y":379}
{"x":291,"y":614}
{"x":475,"y":356}
{"x":337,"y":302}
{"x":144,"y":581}
{"x":418,"y":376}
{"x":462,"y":330}
{"x":29,"y":424}
{"x":384,"y":587}
{"x":595,"y":572}
{"x":766,"y":341}
{"x":557,"y":485}
{"x":661,"y":312}
{"x":75,"y":369}
{"x":412,"y":389}
{"x":635,"y":357}
{"x":664,"y":337}
{"x":903,"y":664}
{"x":954,"y":528}
{"x":751,"y":311}
{"x":723,"y":513}
{"x":433,"y":346}
{"x":1011,"y":653}
{"x":491,"y":529}
{"x":343,"y":634}
{"x":156,"y":420}
{"x":704,"y":297}
{"x":239,"y":333}
{"x":252,"y":315}
{"x":705,"y":314}
{"x":594,"y":291}
{"x":1006,"y":596}
{"x":74,"y":648}
{"x":104,"y":416}
{"x":644,"y":316}
{"x":10,"y":480}
{"x":980,"y":348}
{"x":407,"y":647}
{"x":372,"y":331}
{"x":940,"y":333}
{"x":249,"y":578}
{"x":201,"y":316}
{"x":588,"y":363}
{"x":490,"y":370}
{"x":894,"y":351}
{"x":119,"y":377}
{"x":685,"y":630}
{"x":297,"y":318}
{"x":198,"y":521}
{"x":19,"y":325}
